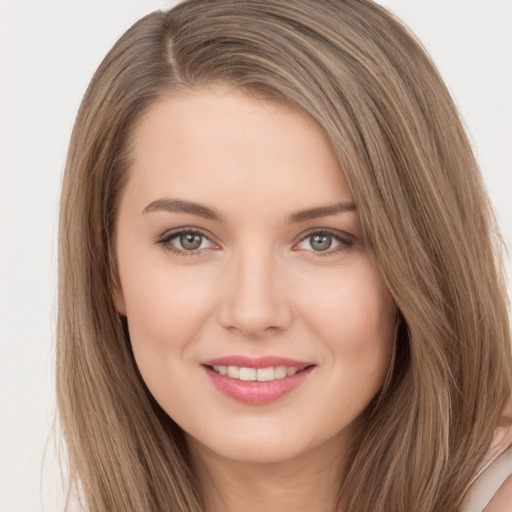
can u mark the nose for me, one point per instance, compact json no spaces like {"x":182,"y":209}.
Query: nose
{"x":255,"y":302}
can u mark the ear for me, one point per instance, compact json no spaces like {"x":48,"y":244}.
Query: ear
{"x":118,"y":294}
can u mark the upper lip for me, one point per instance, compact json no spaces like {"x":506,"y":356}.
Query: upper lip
{"x":256,"y":362}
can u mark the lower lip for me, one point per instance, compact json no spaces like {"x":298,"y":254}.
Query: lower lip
{"x":255,"y":392}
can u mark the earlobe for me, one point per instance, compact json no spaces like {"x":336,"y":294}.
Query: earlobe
{"x":117,"y":294}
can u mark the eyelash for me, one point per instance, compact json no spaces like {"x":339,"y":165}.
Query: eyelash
{"x":165,"y":241}
{"x":345,"y":241}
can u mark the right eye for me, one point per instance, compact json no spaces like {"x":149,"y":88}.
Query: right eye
{"x":186,"y":242}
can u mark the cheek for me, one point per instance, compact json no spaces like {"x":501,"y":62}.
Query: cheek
{"x":165,"y":308}
{"x":356,"y":320}
{"x":165,"y":312}
{"x":354,"y":315}
{"x":165,"y":304}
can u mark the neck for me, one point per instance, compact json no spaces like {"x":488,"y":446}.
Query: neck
{"x":309,"y":482}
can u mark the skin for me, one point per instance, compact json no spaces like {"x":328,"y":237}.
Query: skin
{"x":502,"y":500}
{"x":256,"y":286}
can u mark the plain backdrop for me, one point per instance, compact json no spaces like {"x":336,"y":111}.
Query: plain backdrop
{"x":49,"y":50}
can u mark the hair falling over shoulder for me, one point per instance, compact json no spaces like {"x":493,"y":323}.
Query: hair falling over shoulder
{"x":355,"y":70}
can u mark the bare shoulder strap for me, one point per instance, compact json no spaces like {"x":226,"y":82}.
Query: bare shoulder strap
{"x":488,"y":483}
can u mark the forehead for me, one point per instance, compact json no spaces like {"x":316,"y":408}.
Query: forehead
{"x":215,"y":145}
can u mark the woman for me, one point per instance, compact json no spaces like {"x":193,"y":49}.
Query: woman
{"x":278,"y":283}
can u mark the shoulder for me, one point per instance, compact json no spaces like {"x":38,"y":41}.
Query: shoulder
{"x":491,"y":491}
{"x":502,"y":500}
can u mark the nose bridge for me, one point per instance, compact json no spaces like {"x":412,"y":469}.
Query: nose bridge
{"x":254,"y":299}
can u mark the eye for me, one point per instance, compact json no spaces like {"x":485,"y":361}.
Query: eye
{"x":190,"y":241}
{"x":325,"y":242}
{"x":320,"y":241}
{"x":186,"y":242}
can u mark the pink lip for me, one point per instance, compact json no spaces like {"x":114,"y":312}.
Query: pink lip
{"x":255,"y":362}
{"x":255,"y":392}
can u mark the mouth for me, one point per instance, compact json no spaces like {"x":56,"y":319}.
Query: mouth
{"x":248,"y":374}
{"x":257,"y":381}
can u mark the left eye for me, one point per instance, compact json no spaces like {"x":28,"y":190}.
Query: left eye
{"x":190,"y":241}
{"x":322,"y":241}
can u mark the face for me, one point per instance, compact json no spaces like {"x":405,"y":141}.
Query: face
{"x":257,"y":318}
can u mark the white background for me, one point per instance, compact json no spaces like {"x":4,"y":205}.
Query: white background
{"x":48,"y":53}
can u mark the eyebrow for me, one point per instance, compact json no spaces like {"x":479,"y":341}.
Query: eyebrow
{"x":321,"y":211}
{"x":182,"y":206}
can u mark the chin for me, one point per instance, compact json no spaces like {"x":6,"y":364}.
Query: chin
{"x":253,"y":452}
{"x":271,"y":444}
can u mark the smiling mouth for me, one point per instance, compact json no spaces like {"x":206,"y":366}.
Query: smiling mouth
{"x":257,"y":386}
{"x":248,"y":374}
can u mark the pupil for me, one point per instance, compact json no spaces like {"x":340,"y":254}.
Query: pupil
{"x":190,"y":241}
{"x":321,"y":242}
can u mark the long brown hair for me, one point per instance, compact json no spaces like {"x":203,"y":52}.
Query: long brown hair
{"x":355,"y":70}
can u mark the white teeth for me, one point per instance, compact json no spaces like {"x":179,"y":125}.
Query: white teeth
{"x":253,"y":374}
{"x":265,"y":374}
{"x":247,"y":373}
{"x":280,"y":372}
{"x":233,"y":372}
{"x":291,"y":371}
